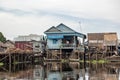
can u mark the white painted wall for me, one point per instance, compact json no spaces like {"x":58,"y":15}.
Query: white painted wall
{"x":29,"y":38}
{"x":37,"y":49}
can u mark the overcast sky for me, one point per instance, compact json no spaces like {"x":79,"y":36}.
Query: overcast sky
{"x":23,"y":17}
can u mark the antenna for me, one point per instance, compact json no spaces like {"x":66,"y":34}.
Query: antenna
{"x":80,"y":26}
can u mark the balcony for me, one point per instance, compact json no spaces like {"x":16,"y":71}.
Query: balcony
{"x":68,"y":46}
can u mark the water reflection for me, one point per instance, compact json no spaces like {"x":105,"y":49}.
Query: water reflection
{"x":61,"y":71}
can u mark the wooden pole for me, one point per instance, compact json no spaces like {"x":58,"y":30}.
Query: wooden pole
{"x":84,"y":52}
{"x":96,"y":54}
{"x":22,"y":60}
{"x":78,"y":54}
{"x":89,"y":55}
{"x":14,"y":62}
{"x":47,"y":54}
{"x":18,"y":60}
{"x":84,"y":74}
{"x":75,"y":41}
{"x":60,"y":54}
{"x":61,"y":67}
{"x":10,"y":63}
{"x":4,"y":58}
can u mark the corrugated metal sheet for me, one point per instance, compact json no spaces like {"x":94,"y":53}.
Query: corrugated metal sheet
{"x":95,"y":36}
{"x":102,"y":39}
{"x":55,"y":36}
{"x":23,"y":45}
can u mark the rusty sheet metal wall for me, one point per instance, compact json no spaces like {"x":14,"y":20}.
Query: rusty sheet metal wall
{"x":102,"y":39}
{"x":95,"y":39}
{"x":95,"y":36}
{"x":110,"y":39}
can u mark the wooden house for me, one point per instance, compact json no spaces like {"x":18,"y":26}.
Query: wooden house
{"x":62,"y":39}
{"x":2,"y":47}
{"x":9,"y":44}
{"x":38,"y":46}
{"x":35,"y":43}
{"x":23,"y":45}
{"x":106,"y":41}
{"x":6,"y":46}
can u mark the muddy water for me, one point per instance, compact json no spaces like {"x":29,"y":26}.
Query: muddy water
{"x":61,"y":71}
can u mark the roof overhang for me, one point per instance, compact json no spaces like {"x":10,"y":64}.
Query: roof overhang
{"x":60,"y":35}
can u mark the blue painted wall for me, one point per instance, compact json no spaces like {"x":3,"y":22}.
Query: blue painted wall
{"x":54,"y":43}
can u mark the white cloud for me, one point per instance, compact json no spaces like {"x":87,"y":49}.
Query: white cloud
{"x":107,"y":9}
{"x":36,"y":16}
{"x":12,"y":25}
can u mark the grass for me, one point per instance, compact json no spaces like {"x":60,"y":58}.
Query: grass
{"x":94,"y":61}
{"x":15,"y":62}
{"x":1,"y":64}
{"x":99,"y":61}
{"x":102,"y":61}
{"x":36,"y":60}
{"x":64,"y":60}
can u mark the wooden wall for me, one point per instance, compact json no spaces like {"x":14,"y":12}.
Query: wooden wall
{"x":102,"y":39}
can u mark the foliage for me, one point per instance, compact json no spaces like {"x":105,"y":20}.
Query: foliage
{"x":99,"y":61}
{"x":1,"y":64}
{"x":95,"y":61}
{"x":2,"y":38}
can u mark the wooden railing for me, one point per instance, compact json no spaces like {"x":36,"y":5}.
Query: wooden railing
{"x":68,"y":46}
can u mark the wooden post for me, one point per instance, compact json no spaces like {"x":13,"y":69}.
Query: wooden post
{"x":89,"y":56}
{"x":84,"y":52}
{"x":78,"y":54}
{"x":75,"y":41}
{"x":47,"y":54}
{"x":84,"y":74}
{"x":60,"y":53}
{"x":106,"y":51}
{"x":51,"y":56}
{"x":96,"y":54}
{"x":84,"y":69}
{"x":61,"y":67}
{"x":14,"y":61}
{"x":10,"y":63}
{"x":22,"y":60}
{"x":18,"y":60}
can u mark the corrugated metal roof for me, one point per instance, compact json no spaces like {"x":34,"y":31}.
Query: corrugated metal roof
{"x":63,"y":29}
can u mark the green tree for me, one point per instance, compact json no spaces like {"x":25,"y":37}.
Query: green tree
{"x":2,"y":38}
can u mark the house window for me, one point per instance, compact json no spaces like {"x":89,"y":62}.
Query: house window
{"x":54,"y":41}
{"x":37,"y":46}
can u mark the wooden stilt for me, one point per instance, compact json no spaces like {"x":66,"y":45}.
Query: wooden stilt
{"x":78,"y":55}
{"x":3,"y":58}
{"x":14,"y":61}
{"x":60,"y":53}
{"x":61,"y":67}
{"x":96,"y":55}
{"x":9,"y":63}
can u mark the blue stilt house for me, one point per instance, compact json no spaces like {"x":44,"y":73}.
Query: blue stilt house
{"x":64,"y":38}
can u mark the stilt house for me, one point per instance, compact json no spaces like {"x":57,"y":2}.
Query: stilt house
{"x":32,"y":42}
{"x":64,"y":39}
{"x":106,"y":41}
